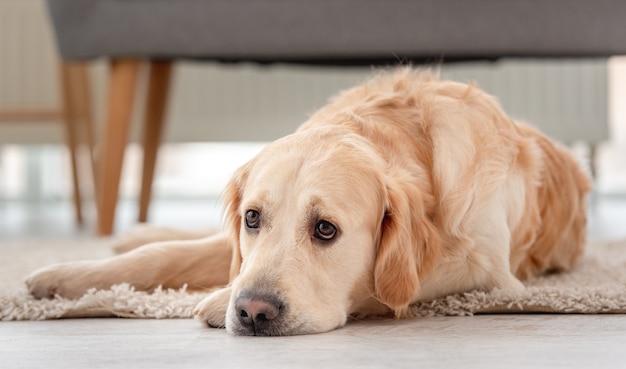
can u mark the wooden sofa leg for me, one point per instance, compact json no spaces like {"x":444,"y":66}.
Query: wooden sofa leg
{"x":86,"y":115}
{"x":158,"y":90}
{"x":120,"y":99}
{"x":69,"y":115}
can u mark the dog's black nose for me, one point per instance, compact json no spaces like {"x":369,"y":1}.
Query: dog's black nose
{"x":257,"y":313}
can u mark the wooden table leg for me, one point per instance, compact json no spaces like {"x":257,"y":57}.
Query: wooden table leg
{"x":158,"y":89}
{"x":122,"y":85}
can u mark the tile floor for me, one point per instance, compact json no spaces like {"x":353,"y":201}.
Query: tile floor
{"x":498,"y":341}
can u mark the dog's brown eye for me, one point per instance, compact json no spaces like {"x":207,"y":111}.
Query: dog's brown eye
{"x":253,"y":219}
{"x":325,"y":231}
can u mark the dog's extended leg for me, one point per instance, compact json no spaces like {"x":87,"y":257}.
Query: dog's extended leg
{"x":200,"y":264}
{"x":144,"y":234}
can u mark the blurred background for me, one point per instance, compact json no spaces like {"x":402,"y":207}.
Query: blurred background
{"x":220,"y":115}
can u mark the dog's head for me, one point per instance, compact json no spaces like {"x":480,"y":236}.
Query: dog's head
{"x":322,"y":226}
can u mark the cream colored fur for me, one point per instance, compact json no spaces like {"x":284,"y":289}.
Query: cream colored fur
{"x":431,"y":187}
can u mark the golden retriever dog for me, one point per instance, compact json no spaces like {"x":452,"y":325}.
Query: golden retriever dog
{"x":406,"y":188}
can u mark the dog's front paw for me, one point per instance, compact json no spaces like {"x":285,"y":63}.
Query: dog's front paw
{"x":62,"y":279}
{"x":212,"y":309}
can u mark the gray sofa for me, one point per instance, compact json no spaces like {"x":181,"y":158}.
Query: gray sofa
{"x":338,"y":32}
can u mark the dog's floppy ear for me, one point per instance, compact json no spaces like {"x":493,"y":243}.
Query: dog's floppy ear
{"x":232,"y":220}
{"x":409,"y":245}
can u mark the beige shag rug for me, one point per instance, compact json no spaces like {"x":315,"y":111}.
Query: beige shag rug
{"x":596,"y":285}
